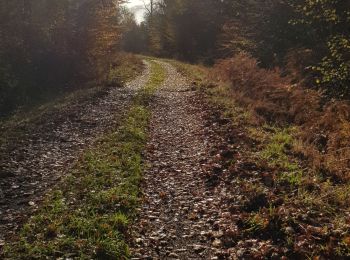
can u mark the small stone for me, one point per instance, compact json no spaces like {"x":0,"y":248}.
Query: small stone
{"x":240,"y":252}
{"x":154,"y":238}
{"x":173,"y":255}
{"x":198,"y":248}
{"x":203,"y":233}
{"x":217,"y":234}
{"x":289,"y":230}
{"x":217,"y":243}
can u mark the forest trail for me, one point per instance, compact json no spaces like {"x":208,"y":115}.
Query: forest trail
{"x":181,"y":217}
{"x":185,"y":211}
{"x":31,"y":165}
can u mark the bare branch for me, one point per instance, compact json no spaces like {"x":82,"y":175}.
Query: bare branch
{"x":149,"y":10}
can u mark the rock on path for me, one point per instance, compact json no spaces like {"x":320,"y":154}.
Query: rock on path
{"x":181,"y":217}
{"x":29,"y":167}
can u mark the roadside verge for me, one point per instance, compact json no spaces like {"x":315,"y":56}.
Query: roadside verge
{"x":88,"y":214}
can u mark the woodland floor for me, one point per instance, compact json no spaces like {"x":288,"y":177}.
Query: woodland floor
{"x":207,"y":195}
{"x":199,"y":191}
{"x":187,"y":209}
{"x":181,"y":215}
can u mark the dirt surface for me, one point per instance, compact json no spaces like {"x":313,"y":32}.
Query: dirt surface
{"x":197,"y":187}
{"x":31,"y":165}
{"x":181,"y":217}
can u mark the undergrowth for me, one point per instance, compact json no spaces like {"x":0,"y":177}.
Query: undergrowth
{"x":194,"y":72}
{"x":88,"y":214}
{"x":276,"y":154}
{"x":292,"y":158}
{"x":322,"y":127}
{"x":124,"y":68}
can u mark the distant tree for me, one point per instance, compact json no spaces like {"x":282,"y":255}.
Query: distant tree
{"x":46,"y":45}
{"x":285,"y":32}
{"x":329,"y":21}
{"x":261,"y":28}
{"x":135,"y":36}
{"x":185,"y":29}
{"x":309,"y":39}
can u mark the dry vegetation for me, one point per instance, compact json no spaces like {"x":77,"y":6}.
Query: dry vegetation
{"x":322,"y":135}
{"x":291,"y":156}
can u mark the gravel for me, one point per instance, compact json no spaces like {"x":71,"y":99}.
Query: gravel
{"x":179,"y":211}
{"x":30,"y":166}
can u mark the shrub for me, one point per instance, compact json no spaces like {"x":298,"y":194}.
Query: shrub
{"x":324,"y":127}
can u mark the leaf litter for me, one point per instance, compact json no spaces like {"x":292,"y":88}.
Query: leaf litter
{"x":32,"y":163}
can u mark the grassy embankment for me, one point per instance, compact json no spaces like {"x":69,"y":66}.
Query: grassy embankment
{"x":88,"y":214}
{"x":14,"y":126}
{"x":294,"y":161}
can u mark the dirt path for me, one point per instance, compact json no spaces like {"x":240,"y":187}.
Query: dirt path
{"x":181,"y":217}
{"x":30,"y":166}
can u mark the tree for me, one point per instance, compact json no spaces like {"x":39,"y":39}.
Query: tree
{"x":185,"y":29}
{"x":135,"y":37}
{"x":47,"y":45}
{"x":329,"y":20}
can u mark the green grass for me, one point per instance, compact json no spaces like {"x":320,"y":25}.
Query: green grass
{"x":125,"y":68}
{"x":195,"y":72}
{"x":221,"y":97}
{"x":275,"y":153}
{"x":88,"y":215}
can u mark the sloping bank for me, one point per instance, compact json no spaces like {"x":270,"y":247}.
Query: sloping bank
{"x":284,"y":163}
{"x":88,"y":214}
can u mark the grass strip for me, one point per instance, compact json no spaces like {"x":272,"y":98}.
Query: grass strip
{"x":88,"y":215}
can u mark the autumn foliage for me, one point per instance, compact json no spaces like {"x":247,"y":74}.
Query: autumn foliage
{"x":324,"y":127}
{"x":48,"y":47}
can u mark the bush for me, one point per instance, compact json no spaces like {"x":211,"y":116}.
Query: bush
{"x":324,"y":128}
